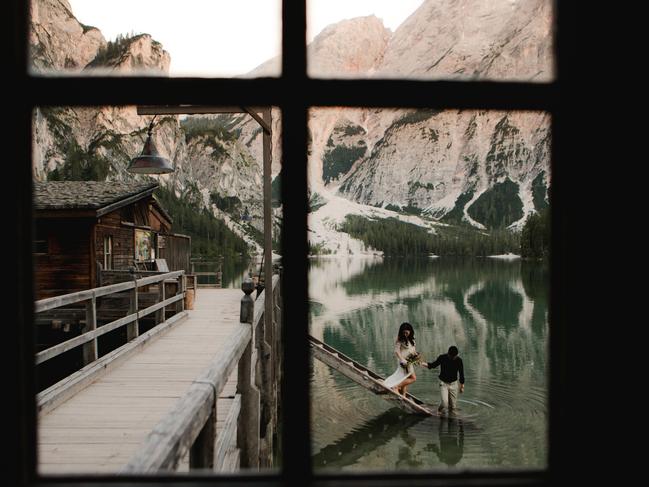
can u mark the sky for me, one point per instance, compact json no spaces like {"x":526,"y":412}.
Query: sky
{"x":224,"y":37}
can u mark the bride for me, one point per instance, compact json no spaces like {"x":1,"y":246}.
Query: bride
{"x":407,"y":356}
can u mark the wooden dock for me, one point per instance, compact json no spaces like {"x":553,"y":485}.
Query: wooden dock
{"x":108,"y":426}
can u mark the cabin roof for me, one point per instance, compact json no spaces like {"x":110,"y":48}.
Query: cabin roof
{"x":99,"y":197}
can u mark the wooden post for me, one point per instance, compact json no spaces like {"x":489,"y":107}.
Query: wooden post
{"x":247,"y":303}
{"x":90,"y":348}
{"x":267,"y":357}
{"x":160,"y":314}
{"x":183,"y":287}
{"x":133,"y":329}
{"x":248,"y":422}
{"x":201,"y":454}
{"x":277,"y":368}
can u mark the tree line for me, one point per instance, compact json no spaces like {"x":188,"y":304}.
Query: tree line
{"x":398,"y":238}
{"x":210,"y":236}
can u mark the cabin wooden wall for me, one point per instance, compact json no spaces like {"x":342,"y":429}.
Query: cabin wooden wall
{"x":176,"y":250}
{"x":67,"y":267}
{"x":158,"y":221}
{"x":77,"y":244}
{"x":123,"y":239}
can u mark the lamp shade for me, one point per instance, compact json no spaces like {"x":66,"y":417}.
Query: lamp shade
{"x":150,"y":161}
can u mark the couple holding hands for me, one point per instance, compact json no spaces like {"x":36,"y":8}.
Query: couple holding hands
{"x":408,"y":357}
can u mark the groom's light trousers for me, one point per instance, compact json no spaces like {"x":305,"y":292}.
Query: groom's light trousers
{"x":449,"y":395}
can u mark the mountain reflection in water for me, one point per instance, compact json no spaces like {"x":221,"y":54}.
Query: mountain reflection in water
{"x":495,"y":311}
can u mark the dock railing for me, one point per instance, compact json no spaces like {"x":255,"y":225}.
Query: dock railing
{"x":216,"y":274}
{"x":246,"y":437}
{"x":55,"y":394}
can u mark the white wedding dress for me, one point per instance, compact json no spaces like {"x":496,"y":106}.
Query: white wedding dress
{"x":401,"y":374}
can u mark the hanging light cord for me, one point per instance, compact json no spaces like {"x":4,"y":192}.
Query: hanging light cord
{"x":151,"y":124}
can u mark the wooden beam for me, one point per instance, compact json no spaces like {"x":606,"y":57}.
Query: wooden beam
{"x":264,"y":122}
{"x":205,"y":110}
{"x":89,"y":336}
{"x":159,"y":277}
{"x":191,"y":109}
{"x":159,"y":305}
{"x":63,"y":347}
{"x":72,"y":298}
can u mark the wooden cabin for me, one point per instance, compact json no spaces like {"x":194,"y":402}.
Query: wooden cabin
{"x":86,"y":229}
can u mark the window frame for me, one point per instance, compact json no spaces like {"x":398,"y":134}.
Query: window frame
{"x":294,"y":93}
{"x":108,"y":252}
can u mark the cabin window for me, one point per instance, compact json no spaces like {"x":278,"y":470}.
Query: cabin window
{"x":144,"y":245}
{"x":108,"y":252}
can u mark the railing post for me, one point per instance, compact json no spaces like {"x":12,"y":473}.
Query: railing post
{"x":90,"y":348}
{"x":201,"y":453}
{"x":277,"y":357}
{"x":160,"y":314}
{"x":247,"y":303}
{"x":264,"y":378}
{"x":248,"y":422}
{"x":133,"y":329}
{"x":183,"y":286}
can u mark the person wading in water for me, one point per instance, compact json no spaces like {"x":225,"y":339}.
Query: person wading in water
{"x":452,"y":366}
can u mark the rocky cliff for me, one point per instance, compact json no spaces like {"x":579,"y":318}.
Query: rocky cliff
{"x":487,"y":169}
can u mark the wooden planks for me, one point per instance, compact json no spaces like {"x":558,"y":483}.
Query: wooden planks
{"x":100,"y":428}
{"x":364,"y":376}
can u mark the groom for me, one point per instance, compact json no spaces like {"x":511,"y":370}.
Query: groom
{"x":451,"y":366}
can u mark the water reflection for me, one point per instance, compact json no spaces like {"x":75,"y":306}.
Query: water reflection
{"x":450,"y":446}
{"x":365,"y":439}
{"x":494,"y":311}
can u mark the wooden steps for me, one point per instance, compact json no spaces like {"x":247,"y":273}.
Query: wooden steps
{"x":365,"y":377}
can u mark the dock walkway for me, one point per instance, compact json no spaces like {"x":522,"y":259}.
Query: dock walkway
{"x":100,"y":428}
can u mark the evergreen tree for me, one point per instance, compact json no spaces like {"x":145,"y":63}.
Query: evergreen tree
{"x":210,"y":236}
{"x":535,"y":236}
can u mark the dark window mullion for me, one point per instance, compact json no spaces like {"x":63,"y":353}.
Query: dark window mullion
{"x":97,"y":91}
{"x":353,"y":93}
{"x":481,"y":95}
{"x":296,"y":425}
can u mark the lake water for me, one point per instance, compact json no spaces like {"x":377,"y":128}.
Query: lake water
{"x":494,"y":311}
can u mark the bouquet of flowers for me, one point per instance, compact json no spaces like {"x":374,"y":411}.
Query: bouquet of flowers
{"x":413,"y":358}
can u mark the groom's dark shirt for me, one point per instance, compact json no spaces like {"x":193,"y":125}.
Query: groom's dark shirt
{"x":450,"y":368}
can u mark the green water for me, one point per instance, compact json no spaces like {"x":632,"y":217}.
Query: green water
{"x":494,"y":311}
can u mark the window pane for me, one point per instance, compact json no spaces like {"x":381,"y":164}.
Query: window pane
{"x":154,"y":37}
{"x":431,"y":39}
{"x":422,"y":216}
{"x":193,"y":238}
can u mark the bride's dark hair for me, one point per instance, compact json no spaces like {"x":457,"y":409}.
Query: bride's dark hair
{"x":402,"y":338}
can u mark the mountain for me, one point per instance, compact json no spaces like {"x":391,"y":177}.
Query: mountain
{"x":58,"y":40}
{"x":473,"y":39}
{"x":487,"y":169}
{"x":432,"y":168}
